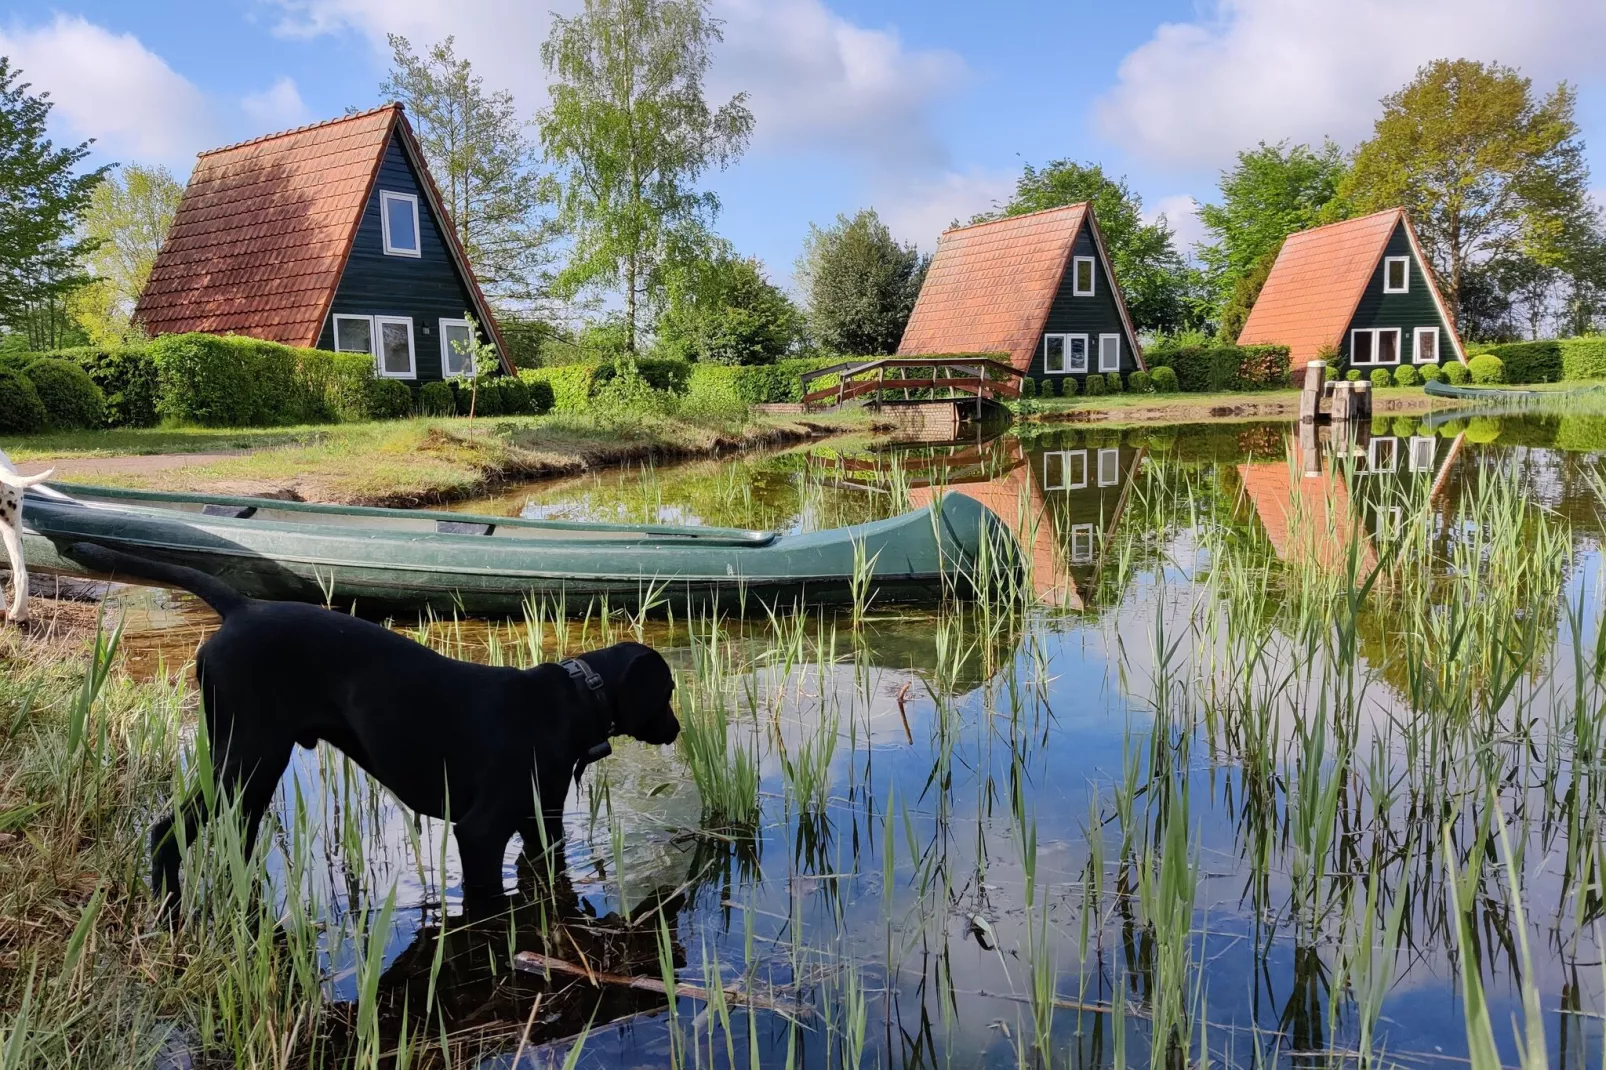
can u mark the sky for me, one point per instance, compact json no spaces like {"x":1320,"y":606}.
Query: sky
{"x":925,"y":110}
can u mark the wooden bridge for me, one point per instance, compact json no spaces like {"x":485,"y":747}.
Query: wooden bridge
{"x":928,"y":397}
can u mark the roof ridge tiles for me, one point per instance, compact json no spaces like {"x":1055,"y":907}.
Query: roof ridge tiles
{"x":1078,"y":206}
{"x":393,"y":106}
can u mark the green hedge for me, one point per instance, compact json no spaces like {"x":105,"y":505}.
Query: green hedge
{"x":1525,"y":362}
{"x":1455,"y":373}
{"x":1583,"y":358}
{"x":20,"y":408}
{"x":1202,"y":369}
{"x":569,"y":385}
{"x":72,"y":400}
{"x":126,"y":376}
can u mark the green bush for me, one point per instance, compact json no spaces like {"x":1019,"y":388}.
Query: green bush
{"x":1583,"y":358}
{"x":1455,"y":373}
{"x":1487,"y":368}
{"x":1049,"y":387}
{"x":21,"y":410}
{"x":1380,"y":377}
{"x":1528,"y":362}
{"x":540,"y":395}
{"x":1403,"y":427}
{"x":570,"y":385}
{"x":1164,"y":380}
{"x":226,"y":381}
{"x":127,"y":378}
{"x":516,"y":399}
{"x":387,"y":399}
{"x":1069,"y":387}
{"x":1353,"y":375}
{"x":1483,"y":429}
{"x":1094,"y":385}
{"x":436,"y":399}
{"x":1407,"y":375}
{"x":1430,"y":373}
{"x":1113,"y":383}
{"x":660,"y":373}
{"x":1028,"y":387}
{"x":1139,"y":382}
{"x":72,"y":400}
{"x":1223,"y":367}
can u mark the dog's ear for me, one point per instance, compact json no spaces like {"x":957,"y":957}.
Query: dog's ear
{"x":646,"y":687}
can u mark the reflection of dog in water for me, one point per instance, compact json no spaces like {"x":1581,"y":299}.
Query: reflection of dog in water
{"x":476,"y":989}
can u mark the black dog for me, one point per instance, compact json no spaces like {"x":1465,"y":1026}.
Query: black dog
{"x":438,"y":733}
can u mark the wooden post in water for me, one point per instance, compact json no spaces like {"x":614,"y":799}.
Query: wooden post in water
{"x":1310,"y":394}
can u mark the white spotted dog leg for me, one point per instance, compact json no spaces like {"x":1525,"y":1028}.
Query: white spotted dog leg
{"x":11,"y":488}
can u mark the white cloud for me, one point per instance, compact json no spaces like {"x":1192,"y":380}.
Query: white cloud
{"x":1253,"y":70}
{"x":278,"y":107}
{"x":920,"y":211}
{"x":112,"y":88}
{"x":1181,"y":213}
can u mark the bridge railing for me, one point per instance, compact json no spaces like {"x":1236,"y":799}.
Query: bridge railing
{"x":976,"y":377}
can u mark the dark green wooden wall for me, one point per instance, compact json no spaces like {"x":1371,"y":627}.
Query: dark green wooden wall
{"x":428,"y":288}
{"x":1406,"y":311}
{"x":1091,"y":316}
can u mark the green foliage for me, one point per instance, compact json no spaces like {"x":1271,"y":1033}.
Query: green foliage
{"x":127,"y":378}
{"x":72,"y":400}
{"x":1487,"y":368}
{"x":1583,"y":358}
{"x":859,"y":284}
{"x":568,"y":384}
{"x":1353,"y":375}
{"x":1143,"y":255}
{"x":1407,"y":375}
{"x":1430,"y":373}
{"x":1052,"y":386}
{"x":1271,"y":192}
{"x":1485,"y":170}
{"x":1529,"y":362}
{"x":713,"y":388}
{"x":233,"y":381}
{"x":628,"y":394}
{"x":661,"y":373}
{"x":540,"y":394}
{"x":1380,"y":378}
{"x":129,"y":215}
{"x":1069,"y":387}
{"x":1094,"y":386}
{"x":387,"y":399}
{"x":630,"y":132}
{"x":724,"y":311}
{"x":1139,"y":382}
{"x":1455,"y":373}
{"x":436,"y":399}
{"x":21,"y":411}
{"x":1164,"y":380}
{"x":1113,"y":383}
{"x":1222,"y":368}
{"x":1028,"y":387}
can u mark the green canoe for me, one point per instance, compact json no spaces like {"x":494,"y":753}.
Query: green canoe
{"x":384,"y":561}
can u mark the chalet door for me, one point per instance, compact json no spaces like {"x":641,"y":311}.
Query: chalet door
{"x":1109,"y":352}
{"x":395,"y":349}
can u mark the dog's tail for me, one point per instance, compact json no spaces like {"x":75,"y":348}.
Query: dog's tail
{"x":209,"y":589}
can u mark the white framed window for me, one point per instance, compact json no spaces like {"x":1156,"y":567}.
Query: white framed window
{"x":1396,"y":274}
{"x":1065,"y":470}
{"x":1109,"y":352}
{"x":1081,"y":544}
{"x":1054,"y":354}
{"x":395,"y":349}
{"x":1083,"y":276}
{"x":1425,"y":345}
{"x":1374,"y":345}
{"x":1422,"y":454}
{"x":398,"y":218}
{"x":354,"y":334}
{"x":1390,"y":522}
{"x":1382,"y":454}
{"x":1064,"y":354}
{"x":457,"y":348}
{"x":1109,"y":467}
{"x":1076,"y":354}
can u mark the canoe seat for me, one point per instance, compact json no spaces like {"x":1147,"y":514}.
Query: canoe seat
{"x":232,"y":512}
{"x":461,"y":527}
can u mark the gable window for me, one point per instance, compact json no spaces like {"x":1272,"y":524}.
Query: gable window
{"x":1082,"y":276}
{"x":395,"y":336}
{"x":1064,"y":469}
{"x":1425,"y":345}
{"x":398,"y":214}
{"x":1374,"y":345}
{"x":354,"y":334}
{"x":457,"y":348}
{"x":1109,"y":467}
{"x":1423,"y":448}
{"x":1396,"y":274}
{"x":1064,"y":354}
{"x":1109,"y":352}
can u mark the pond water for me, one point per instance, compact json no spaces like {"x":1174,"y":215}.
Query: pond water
{"x":1290,"y":739}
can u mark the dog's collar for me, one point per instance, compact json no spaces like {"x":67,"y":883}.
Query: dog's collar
{"x":589,"y":683}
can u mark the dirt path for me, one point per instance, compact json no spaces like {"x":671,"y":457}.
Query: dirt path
{"x":78,"y":468}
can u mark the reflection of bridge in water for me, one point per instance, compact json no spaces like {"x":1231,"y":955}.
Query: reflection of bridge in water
{"x":925,"y":398}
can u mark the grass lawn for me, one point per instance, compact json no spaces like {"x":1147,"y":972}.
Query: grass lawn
{"x":399,"y":462}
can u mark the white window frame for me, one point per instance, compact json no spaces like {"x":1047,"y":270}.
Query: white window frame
{"x":334,"y":330}
{"x":1113,"y":455}
{"x":1065,"y":481}
{"x":1416,"y":345}
{"x":1092,"y":276}
{"x":1065,"y":353}
{"x":1373,"y":464}
{"x":1070,"y":367}
{"x":446,"y":349}
{"x":385,"y":197}
{"x":379,"y":348}
{"x":1116,"y":338}
{"x":1389,"y":523}
{"x":1376,"y":333}
{"x":1081,"y":544}
{"x":1405,"y":286}
{"x":1422,"y":464}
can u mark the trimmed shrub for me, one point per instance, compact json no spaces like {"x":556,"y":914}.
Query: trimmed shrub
{"x":1069,"y":387}
{"x":1455,"y":373}
{"x":21,"y":410}
{"x":1094,"y":385}
{"x":330,"y":386}
{"x":127,"y":378}
{"x":1487,"y":368}
{"x":570,"y":385}
{"x":1407,"y":375}
{"x":1528,"y":362}
{"x":436,"y":399}
{"x":1028,"y":387}
{"x":72,"y":400}
{"x":1113,"y":383}
{"x":1164,"y":380}
{"x":226,"y":381}
{"x":1223,"y":367}
{"x":540,"y":396}
{"x":1430,"y":373}
{"x":1380,"y":378}
{"x":1353,"y":375}
{"x":1583,"y":358}
{"x":712,"y":387}
{"x":1048,"y":389}
{"x":661,"y":373}
{"x":1138,"y":382}
{"x":387,"y":399}
{"x":516,"y":400}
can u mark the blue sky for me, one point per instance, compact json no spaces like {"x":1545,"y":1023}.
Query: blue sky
{"x":925,"y":110}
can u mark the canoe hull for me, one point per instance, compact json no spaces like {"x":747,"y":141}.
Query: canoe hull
{"x":920,"y":557}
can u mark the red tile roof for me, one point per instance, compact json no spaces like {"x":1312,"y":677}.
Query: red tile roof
{"x":1318,"y":279}
{"x":991,"y":285}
